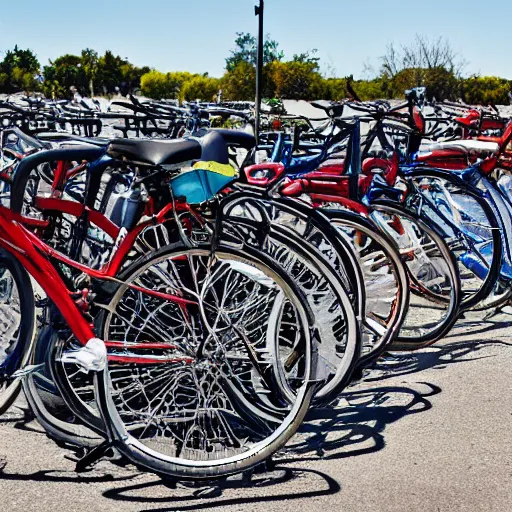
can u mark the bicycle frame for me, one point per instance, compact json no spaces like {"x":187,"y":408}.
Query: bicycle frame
{"x":16,"y":240}
{"x":35,"y":256}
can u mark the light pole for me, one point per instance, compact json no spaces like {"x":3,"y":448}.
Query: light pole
{"x":258,"y":11}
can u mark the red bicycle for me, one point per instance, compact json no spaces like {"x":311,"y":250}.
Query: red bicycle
{"x":197,"y":349}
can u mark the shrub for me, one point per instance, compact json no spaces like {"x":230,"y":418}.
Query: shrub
{"x":154,"y":85}
{"x":336,"y":89}
{"x":200,"y":88}
{"x":240,"y":83}
{"x":296,"y":80}
{"x":486,"y":90}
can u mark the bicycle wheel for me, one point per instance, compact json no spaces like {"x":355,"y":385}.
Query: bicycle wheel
{"x":336,"y":323}
{"x":385,"y":279}
{"x":434,"y":279}
{"x":502,"y":208}
{"x":272,"y":227}
{"x":386,"y":282}
{"x":213,"y":406}
{"x":463,"y":217}
{"x":259,"y":346}
{"x":17,"y":314}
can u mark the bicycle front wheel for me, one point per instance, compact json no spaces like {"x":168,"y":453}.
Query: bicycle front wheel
{"x":434,"y":278}
{"x":197,"y":392}
{"x":462,"y":215}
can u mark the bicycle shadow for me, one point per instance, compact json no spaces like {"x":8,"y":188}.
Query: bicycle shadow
{"x":189,"y":496}
{"x":398,"y":364}
{"x":354,"y":427}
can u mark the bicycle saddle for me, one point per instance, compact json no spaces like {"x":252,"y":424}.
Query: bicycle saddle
{"x":331,"y":109}
{"x":155,"y":152}
{"x":211,"y":147}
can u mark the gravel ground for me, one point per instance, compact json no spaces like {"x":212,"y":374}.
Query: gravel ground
{"x":428,"y":431}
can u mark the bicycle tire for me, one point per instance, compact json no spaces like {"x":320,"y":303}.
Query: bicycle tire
{"x":162,"y":463}
{"x":446,"y":270}
{"x":19,"y":349}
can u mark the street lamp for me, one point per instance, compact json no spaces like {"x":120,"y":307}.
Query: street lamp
{"x":258,"y":11}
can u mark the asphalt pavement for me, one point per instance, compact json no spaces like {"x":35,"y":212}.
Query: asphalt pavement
{"x":427,"y":431}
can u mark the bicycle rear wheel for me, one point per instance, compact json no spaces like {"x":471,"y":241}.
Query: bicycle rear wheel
{"x":260,"y":346}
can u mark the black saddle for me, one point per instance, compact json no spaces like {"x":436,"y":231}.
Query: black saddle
{"x":155,"y":152}
{"x":211,"y":147}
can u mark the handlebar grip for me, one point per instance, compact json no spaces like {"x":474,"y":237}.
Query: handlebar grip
{"x":28,"y":164}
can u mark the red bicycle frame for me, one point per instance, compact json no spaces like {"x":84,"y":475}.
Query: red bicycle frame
{"x":35,"y":256}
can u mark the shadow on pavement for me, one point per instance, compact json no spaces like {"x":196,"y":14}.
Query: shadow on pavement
{"x":355,"y":426}
{"x":190,"y":496}
{"x":51,"y":476}
{"x":438,"y":357}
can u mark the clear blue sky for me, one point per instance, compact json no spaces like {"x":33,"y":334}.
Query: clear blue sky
{"x":196,"y":35}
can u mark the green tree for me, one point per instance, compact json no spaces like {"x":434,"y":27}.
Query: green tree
{"x":155,"y":85}
{"x":4,"y":81}
{"x":177,"y":81}
{"x":132,"y":75}
{"x":90,"y":66}
{"x":246,"y":50}
{"x":63,"y":73}
{"x":430,"y":63}
{"x":369,"y":89}
{"x":308,"y":57}
{"x":22,"y":80}
{"x":336,"y":89}
{"x":164,"y":85}
{"x":17,"y":71}
{"x":109,"y":73}
{"x":440,"y":83}
{"x":25,"y":60}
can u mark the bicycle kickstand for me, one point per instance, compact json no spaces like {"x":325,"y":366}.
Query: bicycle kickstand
{"x":93,"y":456}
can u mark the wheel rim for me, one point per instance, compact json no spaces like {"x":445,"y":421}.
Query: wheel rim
{"x":217,"y":405}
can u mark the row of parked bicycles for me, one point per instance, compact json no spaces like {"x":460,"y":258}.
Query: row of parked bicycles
{"x":182,"y":302}
{"x":125,"y":117}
